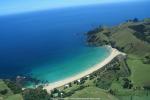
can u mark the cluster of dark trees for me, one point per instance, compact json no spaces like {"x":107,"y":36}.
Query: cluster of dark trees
{"x":28,"y":94}
{"x":146,"y":59}
{"x":106,"y":78}
{"x":113,"y":72}
{"x":3,"y":92}
{"x":13,"y":86}
{"x":92,"y":36}
{"x":36,"y":94}
{"x":67,"y":94}
{"x":39,"y":93}
{"x":146,"y":88}
{"x":111,"y":92}
{"x":62,"y":94}
{"x":127,"y":84}
{"x":103,"y":83}
{"x":141,"y":32}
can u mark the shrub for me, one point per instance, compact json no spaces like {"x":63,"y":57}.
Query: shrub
{"x":3,"y":92}
{"x":16,"y":89}
{"x":36,"y":94}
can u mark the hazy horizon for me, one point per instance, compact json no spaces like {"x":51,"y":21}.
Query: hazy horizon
{"x":20,"y":6}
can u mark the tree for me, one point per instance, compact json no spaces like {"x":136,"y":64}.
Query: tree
{"x":13,"y":86}
{"x":36,"y":94}
{"x":127,"y":83}
{"x":3,"y":92}
{"x":135,"y":20}
{"x":70,"y":85}
{"x":111,"y":92}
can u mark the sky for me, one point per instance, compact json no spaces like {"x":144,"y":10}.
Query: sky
{"x":20,"y":6}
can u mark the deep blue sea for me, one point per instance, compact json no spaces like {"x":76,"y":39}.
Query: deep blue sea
{"x":51,"y":45}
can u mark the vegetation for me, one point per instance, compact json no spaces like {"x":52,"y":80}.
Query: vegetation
{"x":93,"y":92}
{"x":126,"y":79}
{"x":146,"y":59}
{"x":15,"y":97}
{"x":124,"y":38}
{"x":36,"y":94}
{"x":133,"y":38}
{"x":7,"y":94}
{"x":113,"y":72}
{"x":13,"y":86}
{"x":140,"y":71}
{"x":142,"y":31}
{"x":123,"y":80}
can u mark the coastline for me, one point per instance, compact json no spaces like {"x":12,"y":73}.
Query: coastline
{"x":113,"y":53}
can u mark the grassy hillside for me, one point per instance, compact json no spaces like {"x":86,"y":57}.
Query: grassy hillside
{"x":119,"y":80}
{"x":123,"y":37}
{"x":98,"y":84}
{"x":7,"y":94}
{"x":93,"y":92}
{"x":140,"y":71}
{"x":15,"y":97}
{"x":133,"y":38}
{"x":4,"y":87}
{"x":128,"y":38}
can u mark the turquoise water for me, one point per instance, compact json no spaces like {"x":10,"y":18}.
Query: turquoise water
{"x":51,"y":45}
{"x":72,"y":65}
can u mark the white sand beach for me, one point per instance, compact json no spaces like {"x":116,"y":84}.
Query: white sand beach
{"x":113,"y":54}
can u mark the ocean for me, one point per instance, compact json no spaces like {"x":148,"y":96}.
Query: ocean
{"x":51,"y":45}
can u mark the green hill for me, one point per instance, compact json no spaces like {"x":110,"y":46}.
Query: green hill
{"x":133,"y":38}
{"x":7,"y":94}
{"x":93,"y":92}
{"x":129,"y":37}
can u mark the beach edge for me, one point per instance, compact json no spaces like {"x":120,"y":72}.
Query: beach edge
{"x":113,"y":54}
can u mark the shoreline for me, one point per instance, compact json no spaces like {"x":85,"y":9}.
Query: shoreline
{"x":113,"y":53}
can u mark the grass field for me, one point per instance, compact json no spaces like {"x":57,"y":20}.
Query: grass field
{"x":93,"y":92}
{"x":14,"y":97}
{"x":2,"y":87}
{"x":140,"y":72}
{"x":134,"y":98}
{"x":9,"y":95}
{"x":132,"y":41}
